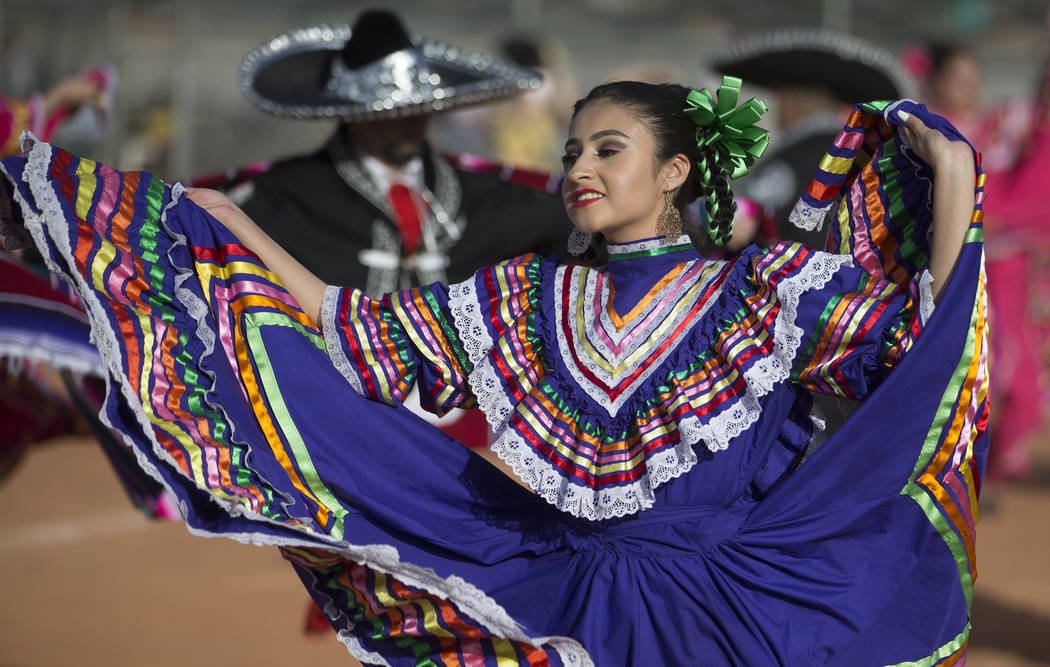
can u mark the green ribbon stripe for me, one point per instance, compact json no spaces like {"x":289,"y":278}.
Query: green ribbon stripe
{"x":941,"y":653}
{"x":929,"y":506}
{"x":650,"y":252}
{"x":157,"y":297}
{"x":253,"y":325}
{"x":933,"y":442}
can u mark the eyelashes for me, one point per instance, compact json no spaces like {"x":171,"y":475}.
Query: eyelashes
{"x":569,"y":159}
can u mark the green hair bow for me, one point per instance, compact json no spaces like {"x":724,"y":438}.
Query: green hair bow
{"x":729,"y":129}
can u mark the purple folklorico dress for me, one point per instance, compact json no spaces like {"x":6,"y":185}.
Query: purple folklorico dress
{"x":769,"y":460}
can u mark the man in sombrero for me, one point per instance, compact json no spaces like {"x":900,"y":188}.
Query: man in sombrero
{"x":817,"y":76}
{"x":377,"y":207}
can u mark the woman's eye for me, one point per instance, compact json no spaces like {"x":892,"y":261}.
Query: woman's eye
{"x":607,"y":152}
{"x":568,"y":160}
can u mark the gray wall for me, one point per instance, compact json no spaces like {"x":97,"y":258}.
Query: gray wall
{"x":178,"y":60}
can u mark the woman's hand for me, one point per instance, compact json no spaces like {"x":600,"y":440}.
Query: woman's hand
{"x":953,"y":194}
{"x":208,"y":199}
{"x":220,"y":207}
{"x":934,"y":148}
{"x":70,"y":94}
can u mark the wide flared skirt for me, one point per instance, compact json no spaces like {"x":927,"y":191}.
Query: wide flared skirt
{"x":420,"y":552}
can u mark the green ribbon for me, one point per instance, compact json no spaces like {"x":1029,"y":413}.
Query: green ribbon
{"x":729,"y":129}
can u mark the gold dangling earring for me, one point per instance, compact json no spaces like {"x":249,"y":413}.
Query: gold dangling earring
{"x":669,"y":222}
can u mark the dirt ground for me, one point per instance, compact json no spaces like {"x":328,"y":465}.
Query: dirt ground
{"x":86,"y":580}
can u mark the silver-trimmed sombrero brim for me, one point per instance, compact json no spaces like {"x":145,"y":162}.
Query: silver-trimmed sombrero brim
{"x":853,"y":69}
{"x":299,"y":74}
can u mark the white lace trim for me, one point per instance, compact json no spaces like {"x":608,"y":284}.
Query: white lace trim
{"x":466,"y":315}
{"x":38,"y":156}
{"x":811,"y":218}
{"x":487,"y":386}
{"x":484,"y":380}
{"x":333,"y":337}
{"x":355,"y":648}
{"x":659,"y":242}
{"x":553,"y":486}
{"x":926,"y":302}
{"x":716,"y":433}
{"x":819,"y":430}
{"x":578,"y":242}
{"x":384,"y":558}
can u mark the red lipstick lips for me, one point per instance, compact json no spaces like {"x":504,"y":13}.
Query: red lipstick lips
{"x":578,"y":203}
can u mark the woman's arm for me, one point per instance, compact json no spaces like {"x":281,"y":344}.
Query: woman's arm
{"x":953,"y":194}
{"x":305,"y":287}
{"x":70,"y":94}
{"x":381,"y":346}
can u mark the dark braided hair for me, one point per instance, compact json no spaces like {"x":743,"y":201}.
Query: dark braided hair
{"x":661,"y":108}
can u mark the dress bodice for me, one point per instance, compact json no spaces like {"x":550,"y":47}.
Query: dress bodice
{"x":604,"y":383}
{"x":635,"y":268}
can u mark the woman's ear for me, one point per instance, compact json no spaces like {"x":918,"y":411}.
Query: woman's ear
{"x":675,"y":171}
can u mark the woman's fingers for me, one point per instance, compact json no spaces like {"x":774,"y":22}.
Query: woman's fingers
{"x":208,"y":199}
{"x":912,"y":124}
{"x":215,"y":203}
{"x":930,"y":145}
{"x":912,"y":131}
{"x":205,"y":197}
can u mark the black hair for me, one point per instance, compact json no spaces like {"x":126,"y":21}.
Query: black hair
{"x":941,"y":53}
{"x":662,"y":108}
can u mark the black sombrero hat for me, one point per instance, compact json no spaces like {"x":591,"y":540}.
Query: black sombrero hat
{"x":374,"y":71}
{"x":851,"y":69}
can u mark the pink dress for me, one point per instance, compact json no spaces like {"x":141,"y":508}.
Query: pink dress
{"x":1015,"y":143}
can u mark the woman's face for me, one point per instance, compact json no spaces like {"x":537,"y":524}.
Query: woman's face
{"x":612,"y":182}
{"x":957,"y":87}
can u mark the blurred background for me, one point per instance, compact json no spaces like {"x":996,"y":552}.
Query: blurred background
{"x":86,"y":580}
{"x":178,"y":110}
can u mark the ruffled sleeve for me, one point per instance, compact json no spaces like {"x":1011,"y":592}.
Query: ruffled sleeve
{"x":875,"y":193}
{"x":852,"y":327}
{"x":424,"y":335}
{"x":384,"y":346}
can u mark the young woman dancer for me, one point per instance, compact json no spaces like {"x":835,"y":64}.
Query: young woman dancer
{"x":672,"y":491}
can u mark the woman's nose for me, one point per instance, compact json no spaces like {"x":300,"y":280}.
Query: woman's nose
{"x":581,"y":170}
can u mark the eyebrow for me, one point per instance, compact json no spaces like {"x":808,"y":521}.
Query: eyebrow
{"x":598,"y":135}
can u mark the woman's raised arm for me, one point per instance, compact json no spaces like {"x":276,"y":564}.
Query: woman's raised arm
{"x":303,"y":285}
{"x":953,"y":192}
